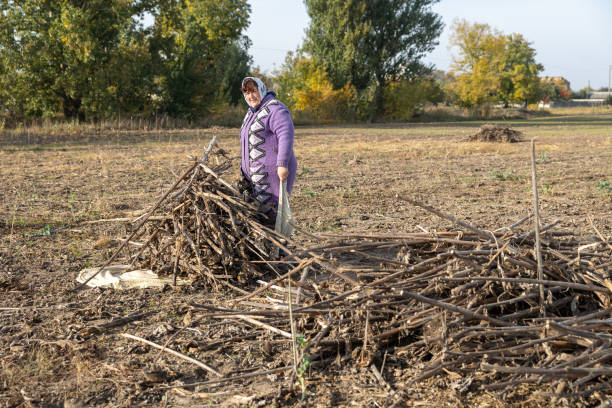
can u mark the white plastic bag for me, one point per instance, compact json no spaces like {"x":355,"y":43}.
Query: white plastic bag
{"x":284,"y":217}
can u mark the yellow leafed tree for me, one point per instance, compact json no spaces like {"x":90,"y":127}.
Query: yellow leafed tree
{"x":478,"y":64}
{"x":305,"y":87}
{"x":492,"y":67}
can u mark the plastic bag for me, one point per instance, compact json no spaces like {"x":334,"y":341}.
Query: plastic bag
{"x":284,"y":217}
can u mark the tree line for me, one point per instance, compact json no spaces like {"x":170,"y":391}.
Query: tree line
{"x":361,"y":60}
{"x":91,"y":59}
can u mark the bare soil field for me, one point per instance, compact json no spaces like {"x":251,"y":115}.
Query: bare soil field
{"x":350,"y":179}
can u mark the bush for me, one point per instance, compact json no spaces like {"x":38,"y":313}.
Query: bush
{"x":323,"y":102}
{"x":405,"y":99}
{"x":306,"y":89}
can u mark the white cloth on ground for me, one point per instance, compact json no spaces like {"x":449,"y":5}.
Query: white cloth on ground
{"x":120,"y":277}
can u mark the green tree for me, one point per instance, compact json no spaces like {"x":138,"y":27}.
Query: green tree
{"x":520,"y":82}
{"x":61,"y":52}
{"x":235,"y":64}
{"x":368,"y":42}
{"x":96,"y":58}
{"x":582,"y":93}
{"x":189,"y":39}
{"x":492,"y":67}
{"x":552,"y":91}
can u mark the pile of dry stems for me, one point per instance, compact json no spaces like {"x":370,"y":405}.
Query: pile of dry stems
{"x":480,"y":306}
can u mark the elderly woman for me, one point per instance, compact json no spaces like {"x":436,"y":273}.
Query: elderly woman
{"x":266,"y":138}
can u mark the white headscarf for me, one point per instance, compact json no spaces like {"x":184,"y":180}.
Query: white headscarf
{"x":260,"y":87}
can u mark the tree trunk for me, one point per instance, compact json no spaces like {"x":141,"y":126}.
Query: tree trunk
{"x":72,"y":108}
{"x":378,"y":107}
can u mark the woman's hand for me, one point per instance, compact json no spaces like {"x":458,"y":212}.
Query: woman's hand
{"x":283,"y":173}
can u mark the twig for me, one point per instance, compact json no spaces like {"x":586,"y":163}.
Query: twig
{"x":175,"y":353}
{"x":124,"y":320}
{"x":292,"y":326}
{"x":516,"y":224}
{"x":195,"y":173}
{"x":381,"y":380}
{"x":366,"y":331}
{"x":536,"y":207}
{"x":228,"y":379}
{"x":599,"y":233}
{"x":125,"y":219}
{"x":300,"y":289}
{"x":572,"y":285}
{"x":565,"y":372}
{"x":298,"y":268}
{"x":440,"y":214}
{"x":453,"y":308}
{"x":264,"y":325}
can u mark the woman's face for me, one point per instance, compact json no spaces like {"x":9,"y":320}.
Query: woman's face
{"x":252,"y":96}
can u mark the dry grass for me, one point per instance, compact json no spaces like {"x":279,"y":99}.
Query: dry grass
{"x":583,"y":110}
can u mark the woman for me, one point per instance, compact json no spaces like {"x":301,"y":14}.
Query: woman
{"x":266,"y":138}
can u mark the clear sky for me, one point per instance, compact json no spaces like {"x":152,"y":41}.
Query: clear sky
{"x":572,"y":38}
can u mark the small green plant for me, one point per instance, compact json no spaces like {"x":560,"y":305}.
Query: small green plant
{"x":505,"y":175}
{"x":76,"y":252}
{"x":70,"y":201}
{"x":546,"y":189}
{"x":543,"y":157}
{"x":305,"y":170}
{"x":46,"y":231}
{"x":303,"y":364}
{"x":604,"y":185}
{"x":309,"y":193}
{"x":301,"y":341}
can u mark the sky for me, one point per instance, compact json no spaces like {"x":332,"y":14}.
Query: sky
{"x":572,"y":38}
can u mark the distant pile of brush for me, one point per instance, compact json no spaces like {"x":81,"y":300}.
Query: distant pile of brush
{"x":495,"y":133}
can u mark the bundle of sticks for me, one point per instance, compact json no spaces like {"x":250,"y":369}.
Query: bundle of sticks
{"x":207,"y":229}
{"x":482,"y":305}
{"x":203,"y":226}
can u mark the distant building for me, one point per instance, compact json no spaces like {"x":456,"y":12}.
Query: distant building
{"x":571,"y":103}
{"x":599,"y":95}
{"x":559,"y":81}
